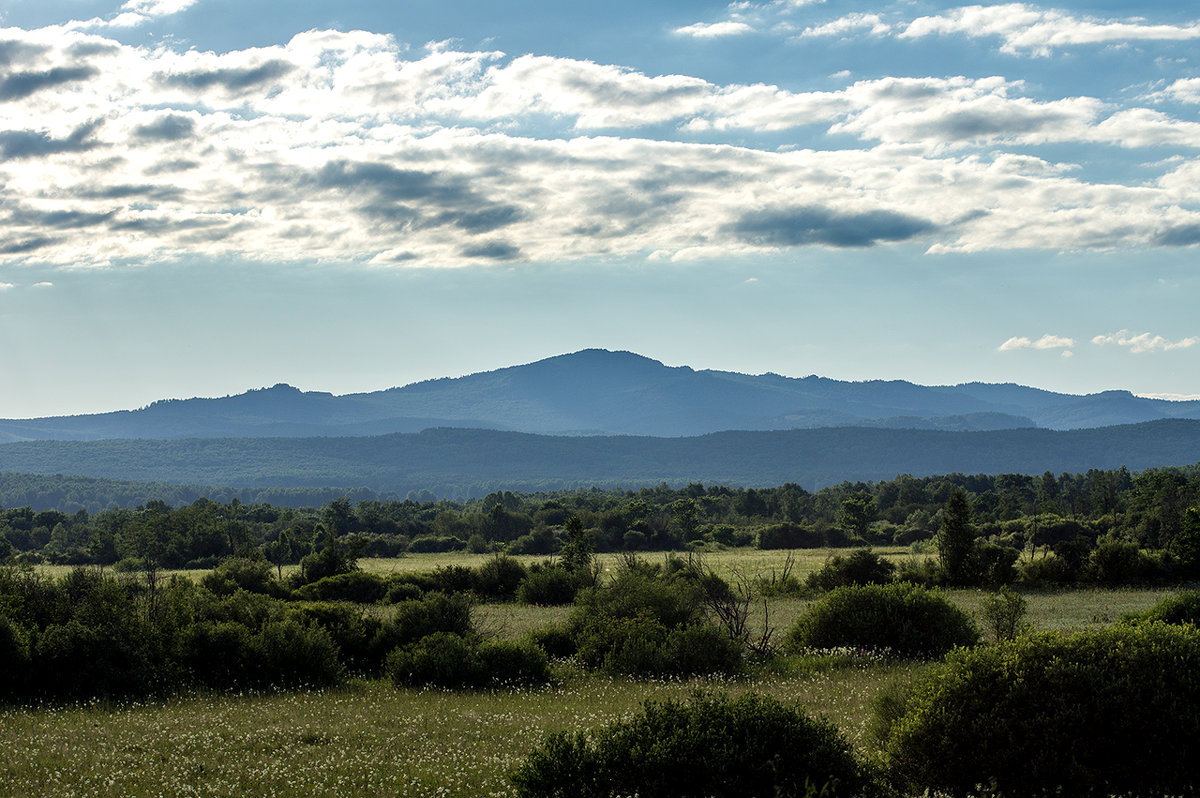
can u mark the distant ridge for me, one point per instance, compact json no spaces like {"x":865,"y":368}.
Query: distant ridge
{"x":598,"y":392}
{"x":464,"y":462}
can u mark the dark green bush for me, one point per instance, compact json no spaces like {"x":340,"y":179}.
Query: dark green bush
{"x":221,"y":655}
{"x":1111,"y":712}
{"x":440,"y":658}
{"x":1115,"y":563}
{"x":789,"y":536}
{"x":548,"y":586}
{"x":418,"y":618}
{"x":555,"y":641}
{"x":243,"y":573}
{"x":357,"y":586}
{"x":859,"y":567}
{"x":356,"y":634}
{"x":748,"y":747}
{"x":436,"y":544}
{"x":507,"y":663}
{"x":900,"y":618}
{"x":402,"y":591}
{"x":1178,"y":608}
{"x":14,"y":658}
{"x":499,"y":578}
{"x":298,"y":655}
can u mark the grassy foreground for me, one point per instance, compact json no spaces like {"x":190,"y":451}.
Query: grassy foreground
{"x":370,"y":739}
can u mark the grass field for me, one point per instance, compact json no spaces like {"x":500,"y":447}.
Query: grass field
{"x":371,"y":739}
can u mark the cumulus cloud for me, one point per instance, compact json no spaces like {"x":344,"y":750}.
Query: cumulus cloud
{"x":851,"y":24}
{"x":1025,"y":28}
{"x":6,"y":286}
{"x":349,"y":147}
{"x":1144,"y":342}
{"x":1047,"y":341}
{"x":43,"y":284}
{"x":714,"y":30}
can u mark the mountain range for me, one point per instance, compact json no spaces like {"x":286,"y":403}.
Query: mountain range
{"x":598,"y":392}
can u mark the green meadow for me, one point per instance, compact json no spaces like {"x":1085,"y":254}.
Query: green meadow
{"x":369,"y":738}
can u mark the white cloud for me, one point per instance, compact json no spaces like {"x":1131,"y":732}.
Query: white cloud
{"x":43,"y":284}
{"x":1025,"y":28}
{"x":871,"y":24}
{"x":6,"y":286}
{"x":346,"y":147}
{"x":1045,"y":342}
{"x":714,"y":30}
{"x":1144,"y":342}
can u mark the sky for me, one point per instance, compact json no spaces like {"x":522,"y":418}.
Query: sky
{"x":199,"y":197}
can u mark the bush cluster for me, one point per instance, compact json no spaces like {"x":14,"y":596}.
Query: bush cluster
{"x":900,"y":618}
{"x":1111,"y":712}
{"x":748,"y":747}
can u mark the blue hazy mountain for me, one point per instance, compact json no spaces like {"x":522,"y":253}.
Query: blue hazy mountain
{"x":597,"y":392}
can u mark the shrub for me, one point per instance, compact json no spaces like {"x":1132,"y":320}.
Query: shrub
{"x":418,"y":618}
{"x":548,"y":586}
{"x":354,"y":633}
{"x":441,"y":658}
{"x":1100,"y":713}
{"x":499,"y":577}
{"x":1178,"y":608}
{"x":14,"y":658}
{"x":220,"y":655}
{"x":555,"y":641}
{"x":902,"y":618}
{"x":243,"y":573}
{"x":1004,"y":613}
{"x":1049,"y":569}
{"x":356,"y":586}
{"x":789,"y":536}
{"x":295,"y":654}
{"x":514,"y":663}
{"x":1114,"y":563}
{"x":749,"y":747}
{"x":859,"y":567}
{"x":436,"y":545}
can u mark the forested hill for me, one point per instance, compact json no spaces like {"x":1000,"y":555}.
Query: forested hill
{"x":596,"y":392}
{"x":461,"y":462}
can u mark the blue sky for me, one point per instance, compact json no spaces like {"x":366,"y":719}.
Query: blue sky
{"x":198,"y":197}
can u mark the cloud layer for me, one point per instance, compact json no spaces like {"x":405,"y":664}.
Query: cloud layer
{"x":349,"y":146}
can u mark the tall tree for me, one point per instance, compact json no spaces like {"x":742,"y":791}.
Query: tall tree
{"x":956,"y":539}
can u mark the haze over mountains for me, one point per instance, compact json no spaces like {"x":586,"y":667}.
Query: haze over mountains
{"x":597,"y":392}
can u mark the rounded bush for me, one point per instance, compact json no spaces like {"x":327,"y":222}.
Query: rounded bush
{"x":750,"y":747}
{"x":901,"y":618}
{"x":859,"y":567}
{"x":1178,"y":608}
{"x":548,"y":587}
{"x":1111,"y":712}
{"x":499,"y":577}
{"x":507,"y":663}
{"x":297,"y":654}
{"x":357,"y":586}
{"x":442,"y":659}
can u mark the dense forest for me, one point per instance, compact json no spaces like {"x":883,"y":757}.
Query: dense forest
{"x":471,"y":463}
{"x":1068,"y":514}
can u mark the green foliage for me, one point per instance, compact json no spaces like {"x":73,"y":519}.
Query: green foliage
{"x":547,"y":586}
{"x":1004,"y":613}
{"x":298,"y":655}
{"x":748,"y":747}
{"x":500,"y":577}
{"x":1178,"y":608}
{"x":956,"y":540}
{"x":860,"y":567}
{"x":1119,"y":562}
{"x":418,"y":618}
{"x":1094,"y":714}
{"x":356,"y":586}
{"x":442,"y":659}
{"x":789,"y":536}
{"x":902,"y":619}
{"x":241,"y":573}
{"x":448,"y":660}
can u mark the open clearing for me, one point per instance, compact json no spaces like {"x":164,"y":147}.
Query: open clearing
{"x":371,"y":739}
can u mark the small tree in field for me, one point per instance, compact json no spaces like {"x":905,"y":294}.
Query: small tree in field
{"x":956,"y":539}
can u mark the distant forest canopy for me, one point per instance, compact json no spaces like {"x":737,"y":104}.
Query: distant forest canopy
{"x":1151,"y":509}
{"x":471,"y":463}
